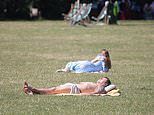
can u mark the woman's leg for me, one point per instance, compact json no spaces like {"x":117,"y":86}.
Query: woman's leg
{"x":66,"y":69}
{"x":63,"y":70}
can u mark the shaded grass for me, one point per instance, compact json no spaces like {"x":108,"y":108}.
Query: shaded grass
{"x":32,"y":51}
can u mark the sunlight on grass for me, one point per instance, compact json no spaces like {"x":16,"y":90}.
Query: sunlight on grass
{"x":33,"y":51}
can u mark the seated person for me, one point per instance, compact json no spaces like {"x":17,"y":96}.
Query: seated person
{"x":83,"y":88}
{"x":101,"y":63}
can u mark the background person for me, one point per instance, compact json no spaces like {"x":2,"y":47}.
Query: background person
{"x":101,"y":63}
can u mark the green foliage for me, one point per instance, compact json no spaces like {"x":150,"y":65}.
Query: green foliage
{"x":20,"y":9}
{"x":33,"y":51}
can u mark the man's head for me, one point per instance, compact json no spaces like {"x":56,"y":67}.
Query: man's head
{"x":105,"y":81}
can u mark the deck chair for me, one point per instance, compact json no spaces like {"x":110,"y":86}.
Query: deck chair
{"x":73,"y":10}
{"x":82,"y":14}
{"x":102,"y":14}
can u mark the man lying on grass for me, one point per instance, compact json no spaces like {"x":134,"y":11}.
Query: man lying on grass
{"x":83,"y":88}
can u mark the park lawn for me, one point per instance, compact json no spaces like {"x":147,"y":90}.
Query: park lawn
{"x":33,"y":50}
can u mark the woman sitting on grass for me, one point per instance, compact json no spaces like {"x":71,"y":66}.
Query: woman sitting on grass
{"x":100,"y":64}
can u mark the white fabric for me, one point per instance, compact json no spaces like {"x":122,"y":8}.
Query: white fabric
{"x":110,"y":87}
{"x":74,"y":89}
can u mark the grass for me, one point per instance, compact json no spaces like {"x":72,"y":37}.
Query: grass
{"x":33,"y":51}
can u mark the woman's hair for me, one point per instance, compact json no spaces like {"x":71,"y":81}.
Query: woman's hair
{"x":108,"y":61}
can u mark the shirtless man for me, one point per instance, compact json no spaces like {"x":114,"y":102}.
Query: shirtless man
{"x":83,"y":88}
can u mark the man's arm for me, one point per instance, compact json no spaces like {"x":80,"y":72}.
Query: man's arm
{"x":98,"y":91}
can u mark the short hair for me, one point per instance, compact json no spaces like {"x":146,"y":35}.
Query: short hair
{"x":108,"y":81}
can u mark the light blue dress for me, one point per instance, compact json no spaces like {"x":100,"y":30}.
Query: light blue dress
{"x":87,"y":66}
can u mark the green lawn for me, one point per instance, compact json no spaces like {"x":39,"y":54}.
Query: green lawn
{"x":33,"y":51}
